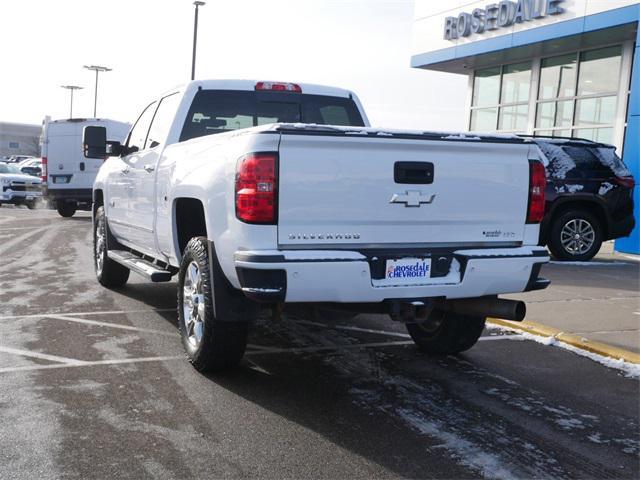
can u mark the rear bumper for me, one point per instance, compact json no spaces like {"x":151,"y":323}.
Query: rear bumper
{"x":10,"y":196}
{"x":80,"y":195}
{"x":346,"y":276}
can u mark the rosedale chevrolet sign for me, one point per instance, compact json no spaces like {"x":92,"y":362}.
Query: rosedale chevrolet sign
{"x":499,"y":15}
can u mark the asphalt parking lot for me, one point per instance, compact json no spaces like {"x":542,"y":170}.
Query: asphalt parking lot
{"x":94,"y":384}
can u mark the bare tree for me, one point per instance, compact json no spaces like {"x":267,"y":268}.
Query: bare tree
{"x":32,"y":145}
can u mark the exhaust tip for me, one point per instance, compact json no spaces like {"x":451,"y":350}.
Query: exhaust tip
{"x":519,"y":311}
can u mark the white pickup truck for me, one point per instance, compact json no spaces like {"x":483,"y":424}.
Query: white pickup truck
{"x":271,"y":193}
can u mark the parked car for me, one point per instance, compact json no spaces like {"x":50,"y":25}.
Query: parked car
{"x":31,"y":166}
{"x":18,"y":158}
{"x":400,"y":222}
{"x":589,"y":197}
{"x":18,"y":188}
{"x":67,"y":175}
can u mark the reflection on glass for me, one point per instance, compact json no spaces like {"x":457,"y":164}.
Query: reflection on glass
{"x":558,"y":76}
{"x":486,"y":86}
{"x":596,"y":111}
{"x":484,"y":119}
{"x":561,"y":133}
{"x":542,"y":133}
{"x":555,"y":114}
{"x":599,"y":71}
{"x":515,"y":83}
{"x":513,"y":118}
{"x":604,"y":135}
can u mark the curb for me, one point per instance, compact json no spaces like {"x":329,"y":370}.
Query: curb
{"x":573,"y":340}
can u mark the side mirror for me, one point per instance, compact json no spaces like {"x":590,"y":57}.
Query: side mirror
{"x":94,"y":142}
{"x":114,"y":148}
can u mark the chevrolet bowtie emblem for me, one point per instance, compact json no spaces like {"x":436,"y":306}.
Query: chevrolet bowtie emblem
{"x":412,"y":198}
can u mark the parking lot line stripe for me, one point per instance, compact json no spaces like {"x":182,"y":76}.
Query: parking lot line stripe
{"x":353,"y":329}
{"x":30,"y":368}
{"x":41,"y":356}
{"x":111,"y":325}
{"x":85,"y":314}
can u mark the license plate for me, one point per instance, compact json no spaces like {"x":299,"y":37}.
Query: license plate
{"x":60,"y":179}
{"x":408,"y":271}
{"x":29,"y":198}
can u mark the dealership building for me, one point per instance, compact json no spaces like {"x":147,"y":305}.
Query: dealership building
{"x":545,"y":67}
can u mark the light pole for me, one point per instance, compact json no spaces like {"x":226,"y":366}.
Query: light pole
{"x":71,"y":88}
{"x":97,"y":69}
{"x":195,"y":38}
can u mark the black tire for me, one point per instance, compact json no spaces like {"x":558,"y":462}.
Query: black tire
{"x":558,"y":233}
{"x":31,"y":205}
{"x":66,"y":209}
{"x":446,"y":332}
{"x":212,"y":342}
{"x":109,"y":273}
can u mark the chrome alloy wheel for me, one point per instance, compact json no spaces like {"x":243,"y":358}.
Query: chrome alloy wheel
{"x":100,"y":245}
{"x":193,"y":304}
{"x":577,"y":236}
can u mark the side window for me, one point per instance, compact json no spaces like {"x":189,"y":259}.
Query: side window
{"x":586,"y":160}
{"x":162,"y":120}
{"x":138,"y":135}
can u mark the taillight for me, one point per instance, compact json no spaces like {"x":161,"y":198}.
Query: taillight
{"x":537,"y":185}
{"x":627,"y":182}
{"x":278,"y":87}
{"x":43,"y":172}
{"x":256,"y":188}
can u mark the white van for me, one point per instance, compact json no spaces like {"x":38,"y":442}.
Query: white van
{"x":67,"y":175}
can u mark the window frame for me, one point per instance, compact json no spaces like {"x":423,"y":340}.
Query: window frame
{"x":575,"y":98}
{"x":127,"y":143}
{"x":500,"y":105}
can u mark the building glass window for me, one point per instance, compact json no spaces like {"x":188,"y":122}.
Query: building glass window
{"x":486,"y":87}
{"x":599,"y":71}
{"x":484,"y":119}
{"x":513,"y":118}
{"x":558,"y":77}
{"x":587,"y":84}
{"x":14,"y":145}
{"x":500,"y":98}
{"x":515,"y":83}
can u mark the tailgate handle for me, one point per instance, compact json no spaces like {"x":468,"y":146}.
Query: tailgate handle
{"x":417,"y":173}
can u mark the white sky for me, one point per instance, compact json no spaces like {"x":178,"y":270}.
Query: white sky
{"x":363,"y":45}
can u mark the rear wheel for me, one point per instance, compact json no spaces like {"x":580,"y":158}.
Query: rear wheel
{"x":108,"y":272}
{"x":213,"y":341}
{"x":575,"y":235}
{"x":446,"y":332}
{"x":66,"y":209}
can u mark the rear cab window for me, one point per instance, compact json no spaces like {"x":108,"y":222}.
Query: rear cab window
{"x":218,"y":111}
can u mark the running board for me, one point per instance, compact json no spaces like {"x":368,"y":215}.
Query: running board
{"x":139,"y":265}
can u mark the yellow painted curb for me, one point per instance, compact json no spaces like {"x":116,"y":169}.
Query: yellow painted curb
{"x":570,"y":339}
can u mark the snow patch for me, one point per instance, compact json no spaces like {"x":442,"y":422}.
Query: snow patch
{"x":605,"y":187}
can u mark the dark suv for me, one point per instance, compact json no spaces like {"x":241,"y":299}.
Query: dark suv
{"x":589,"y":197}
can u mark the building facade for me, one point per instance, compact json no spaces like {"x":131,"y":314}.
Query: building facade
{"x":546,"y":67}
{"x":19,"y":139}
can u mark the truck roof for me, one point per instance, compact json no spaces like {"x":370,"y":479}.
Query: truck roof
{"x":231,"y":84}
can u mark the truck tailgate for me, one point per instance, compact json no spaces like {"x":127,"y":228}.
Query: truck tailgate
{"x":354,"y":189}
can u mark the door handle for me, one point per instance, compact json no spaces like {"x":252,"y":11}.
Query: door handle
{"x":149,"y":168}
{"x":124,"y":171}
